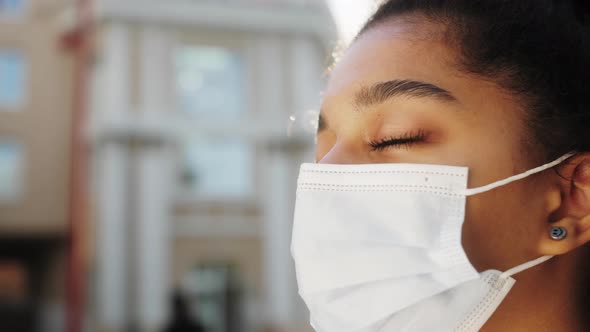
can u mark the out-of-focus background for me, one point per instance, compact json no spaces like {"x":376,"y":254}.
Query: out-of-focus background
{"x":148,"y":157}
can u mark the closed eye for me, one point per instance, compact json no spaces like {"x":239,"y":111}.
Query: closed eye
{"x":405,"y":140}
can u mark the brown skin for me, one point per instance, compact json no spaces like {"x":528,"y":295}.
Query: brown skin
{"x":485,"y":130}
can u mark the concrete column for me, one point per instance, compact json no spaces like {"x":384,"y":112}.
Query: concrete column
{"x":306,"y":75}
{"x":278,"y":278}
{"x":154,"y":182}
{"x":111,"y":101}
{"x":112,"y":228}
{"x":155,"y":179}
{"x":306,"y":71}
{"x":282,"y":166}
{"x":283,"y":71}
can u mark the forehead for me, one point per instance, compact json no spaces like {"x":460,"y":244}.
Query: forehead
{"x":395,"y":50}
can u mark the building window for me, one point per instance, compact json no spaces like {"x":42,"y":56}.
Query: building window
{"x":12,"y":79}
{"x":211,"y":89}
{"x":11,"y":170}
{"x":218,"y":167}
{"x":210,"y":83}
{"x":11,"y":8}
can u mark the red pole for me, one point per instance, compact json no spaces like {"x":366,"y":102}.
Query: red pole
{"x":80,"y":40}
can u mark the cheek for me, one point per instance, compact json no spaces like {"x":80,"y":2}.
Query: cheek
{"x":502,"y":227}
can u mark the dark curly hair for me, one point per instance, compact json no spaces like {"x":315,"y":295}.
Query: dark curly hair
{"x":537,"y":49}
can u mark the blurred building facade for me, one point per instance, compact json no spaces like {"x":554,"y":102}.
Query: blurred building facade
{"x":35,"y":126}
{"x":193,"y":175}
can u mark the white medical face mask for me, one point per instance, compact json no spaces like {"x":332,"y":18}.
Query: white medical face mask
{"x":377,"y":247}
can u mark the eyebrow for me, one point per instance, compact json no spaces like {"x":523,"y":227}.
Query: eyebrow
{"x":380,"y":92}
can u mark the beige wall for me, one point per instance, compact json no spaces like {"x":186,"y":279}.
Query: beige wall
{"x":42,"y":125}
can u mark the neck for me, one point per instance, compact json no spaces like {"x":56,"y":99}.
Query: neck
{"x":545,"y":298}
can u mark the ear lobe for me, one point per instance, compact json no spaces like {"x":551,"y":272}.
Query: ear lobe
{"x":572,"y":240}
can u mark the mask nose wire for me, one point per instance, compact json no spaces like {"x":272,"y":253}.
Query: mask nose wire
{"x":493,"y":185}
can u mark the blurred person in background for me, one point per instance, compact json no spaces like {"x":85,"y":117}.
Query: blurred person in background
{"x":181,"y":319}
{"x":451,"y":189}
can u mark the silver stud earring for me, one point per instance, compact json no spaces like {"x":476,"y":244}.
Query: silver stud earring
{"x":558,"y":233}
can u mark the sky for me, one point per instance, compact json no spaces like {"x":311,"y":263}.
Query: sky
{"x":350,"y":15}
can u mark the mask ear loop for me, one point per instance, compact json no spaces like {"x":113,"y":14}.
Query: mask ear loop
{"x":493,"y":185}
{"x":525,"y":266}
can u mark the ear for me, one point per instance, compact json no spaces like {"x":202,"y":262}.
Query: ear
{"x":570,"y":207}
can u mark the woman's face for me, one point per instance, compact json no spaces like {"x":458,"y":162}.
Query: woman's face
{"x":397,"y":96}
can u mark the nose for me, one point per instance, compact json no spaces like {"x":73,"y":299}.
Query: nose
{"x":342,"y":154}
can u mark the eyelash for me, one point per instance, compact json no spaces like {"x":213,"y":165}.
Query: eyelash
{"x":405,"y":140}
